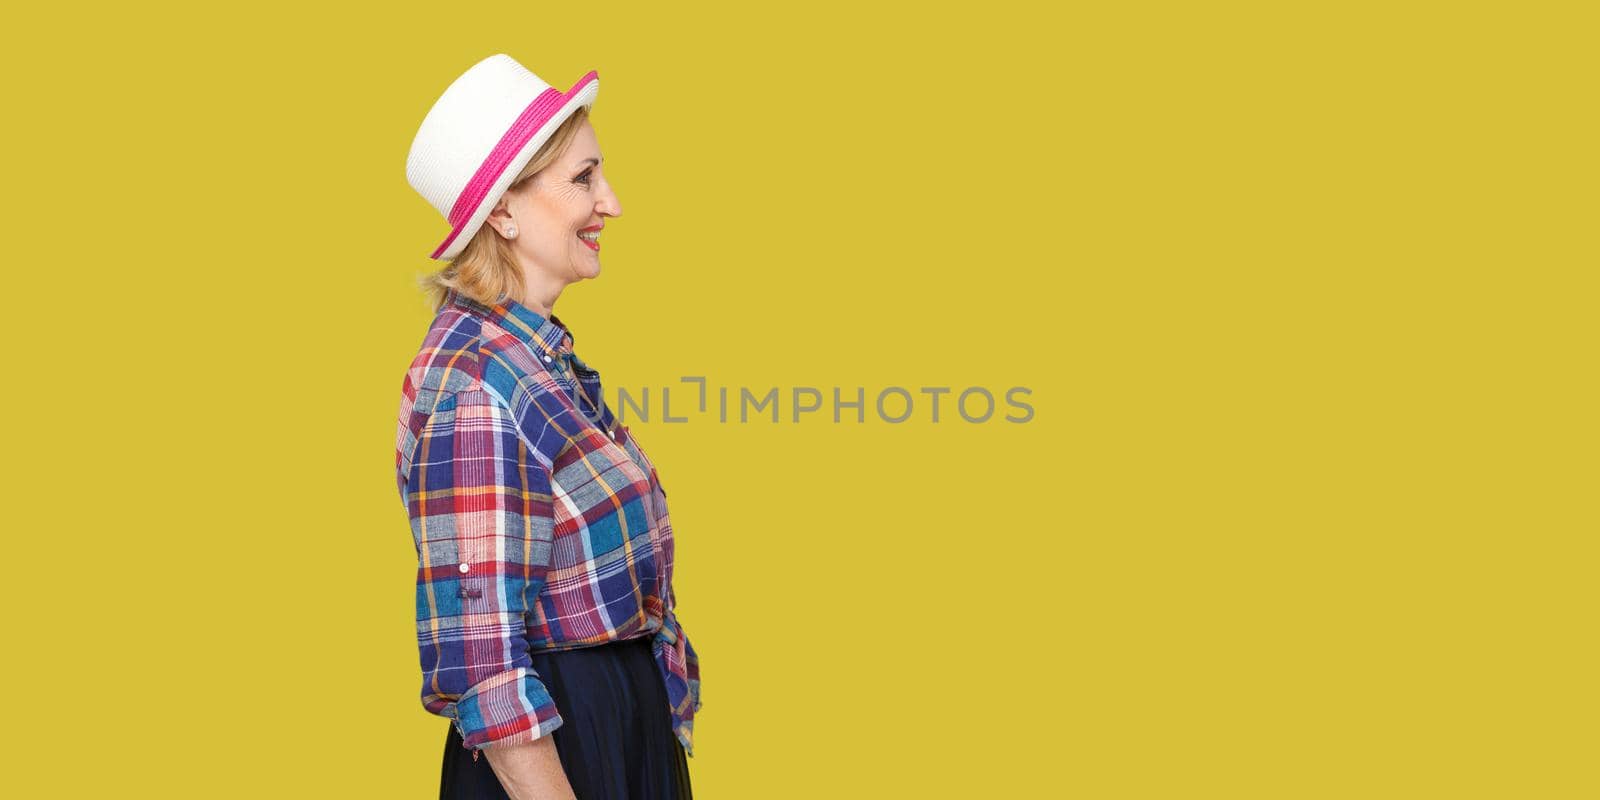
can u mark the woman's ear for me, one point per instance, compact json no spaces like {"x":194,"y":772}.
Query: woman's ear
{"x":500,"y":219}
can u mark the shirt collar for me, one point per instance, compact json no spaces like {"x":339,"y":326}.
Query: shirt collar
{"x":549,"y":336}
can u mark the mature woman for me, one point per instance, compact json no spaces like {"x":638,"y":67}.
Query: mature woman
{"x":545,"y":611}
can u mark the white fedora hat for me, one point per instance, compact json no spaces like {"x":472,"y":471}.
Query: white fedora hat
{"x":479,"y":134}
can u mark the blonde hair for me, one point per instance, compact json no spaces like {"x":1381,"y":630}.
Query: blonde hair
{"x":486,"y":269}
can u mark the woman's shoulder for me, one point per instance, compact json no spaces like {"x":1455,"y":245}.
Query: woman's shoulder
{"x":465,"y":360}
{"x":449,"y":361}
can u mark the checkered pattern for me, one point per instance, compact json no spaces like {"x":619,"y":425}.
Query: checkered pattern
{"x":539,"y":523}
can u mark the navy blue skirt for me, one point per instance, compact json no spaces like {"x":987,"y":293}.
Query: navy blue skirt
{"x":615,"y":740}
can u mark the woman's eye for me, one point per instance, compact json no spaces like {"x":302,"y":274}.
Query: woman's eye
{"x":584,"y":178}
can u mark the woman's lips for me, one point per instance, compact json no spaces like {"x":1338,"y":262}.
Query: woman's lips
{"x":594,"y":245}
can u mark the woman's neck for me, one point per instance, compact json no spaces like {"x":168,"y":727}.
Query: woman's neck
{"x":541,"y":300}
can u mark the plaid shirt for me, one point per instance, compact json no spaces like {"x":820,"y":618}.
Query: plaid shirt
{"x":539,"y":523}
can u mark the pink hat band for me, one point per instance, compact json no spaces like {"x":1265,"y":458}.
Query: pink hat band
{"x":479,"y":134}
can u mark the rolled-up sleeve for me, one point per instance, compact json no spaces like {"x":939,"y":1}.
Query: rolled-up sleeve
{"x":479,"y":499}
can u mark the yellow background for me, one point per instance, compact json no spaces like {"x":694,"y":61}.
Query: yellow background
{"x":1304,"y":295}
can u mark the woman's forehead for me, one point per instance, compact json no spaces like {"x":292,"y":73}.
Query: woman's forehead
{"x":584,"y":146}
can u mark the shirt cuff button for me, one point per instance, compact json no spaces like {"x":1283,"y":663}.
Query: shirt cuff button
{"x":464,"y":568}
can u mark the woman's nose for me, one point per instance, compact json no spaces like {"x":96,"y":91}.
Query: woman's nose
{"x":609,"y":205}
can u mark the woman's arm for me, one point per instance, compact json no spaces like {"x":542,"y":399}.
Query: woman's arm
{"x":530,"y":770}
{"x":481,"y":515}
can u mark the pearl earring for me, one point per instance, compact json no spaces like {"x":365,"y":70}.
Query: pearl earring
{"x":511,"y":231}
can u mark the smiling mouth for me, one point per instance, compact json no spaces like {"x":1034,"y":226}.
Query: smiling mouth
{"x":590,"y":239}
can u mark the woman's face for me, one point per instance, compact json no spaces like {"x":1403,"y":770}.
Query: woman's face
{"x":567,"y":197}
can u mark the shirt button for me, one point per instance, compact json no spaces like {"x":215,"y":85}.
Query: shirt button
{"x":547,"y":359}
{"x":613,"y":433}
{"x":464,"y":568}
